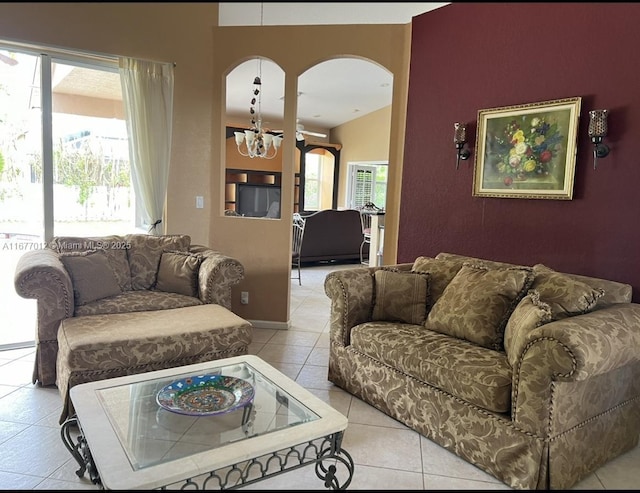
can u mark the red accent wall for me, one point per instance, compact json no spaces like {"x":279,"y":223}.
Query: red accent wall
{"x":466,"y":57}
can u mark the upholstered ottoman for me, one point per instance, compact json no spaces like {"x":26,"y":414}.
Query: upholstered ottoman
{"x":96,"y":347}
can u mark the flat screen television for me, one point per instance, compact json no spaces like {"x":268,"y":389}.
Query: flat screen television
{"x":258,"y":200}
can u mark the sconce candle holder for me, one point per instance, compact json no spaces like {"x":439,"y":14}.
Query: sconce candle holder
{"x":460,"y":139}
{"x":597,"y":131}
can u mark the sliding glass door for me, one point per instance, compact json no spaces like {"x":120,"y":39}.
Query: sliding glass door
{"x":91,"y":178}
{"x":21,"y":189}
{"x":64,"y":164}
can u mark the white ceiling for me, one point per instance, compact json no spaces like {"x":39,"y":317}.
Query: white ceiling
{"x":321,"y":13}
{"x":331,"y":93}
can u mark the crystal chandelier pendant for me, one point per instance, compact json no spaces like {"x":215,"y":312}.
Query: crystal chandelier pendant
{"x":257,"y":142}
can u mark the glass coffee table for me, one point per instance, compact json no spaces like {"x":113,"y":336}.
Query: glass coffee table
{"x":215,"y":425}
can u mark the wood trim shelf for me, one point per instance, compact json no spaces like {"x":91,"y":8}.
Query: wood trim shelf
{"x":240,"y":174}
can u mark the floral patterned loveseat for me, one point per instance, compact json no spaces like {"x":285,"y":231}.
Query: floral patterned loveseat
{"x":94,"y":279}
{"x":530,"y":374}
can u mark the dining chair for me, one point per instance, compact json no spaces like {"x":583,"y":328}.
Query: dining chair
{"x":365,"y":221}
{"x":296,"y":247}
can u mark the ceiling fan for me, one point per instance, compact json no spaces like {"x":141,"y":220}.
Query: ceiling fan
{"x":301,"y":132}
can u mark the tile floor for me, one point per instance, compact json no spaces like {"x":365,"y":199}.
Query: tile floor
{"x":387,"y":454}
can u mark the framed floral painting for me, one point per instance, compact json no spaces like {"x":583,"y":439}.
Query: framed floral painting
{"x":527,"y":151}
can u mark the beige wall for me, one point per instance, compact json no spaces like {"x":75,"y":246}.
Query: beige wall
{"x":236,"y":160}
{"x":364,"y":139}
{"x":170,"y":32}
{"x":186,"y":33}
{"x":266,"y":253}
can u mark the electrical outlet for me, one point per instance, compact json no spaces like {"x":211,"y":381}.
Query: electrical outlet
{"x":244,"y":297}
{"x":199,"y":202}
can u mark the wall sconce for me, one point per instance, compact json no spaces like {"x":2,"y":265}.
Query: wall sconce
{"x":460,"y":139}
{"x":597,"y":131}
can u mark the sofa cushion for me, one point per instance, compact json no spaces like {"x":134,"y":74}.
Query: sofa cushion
{"x":144,"y":256}
{"x":441,"y":272}
{"x":146,"y":337}
{"x":114,"y":246}
{"x":566,"y":296}
{"x":465,"y":370}
{"x":178,"y":273}
{"x":91,"y":275}
{"x":137,"y":301}
{"x":106,"y":346}
{"x":478,"y":302}
{"x":528,"y":314}
{"x":614,"y":291}
{"x":490,"y":264}
{"x":400,"y":296}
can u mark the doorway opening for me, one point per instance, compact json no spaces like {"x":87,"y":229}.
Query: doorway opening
{"x":64,"y":163}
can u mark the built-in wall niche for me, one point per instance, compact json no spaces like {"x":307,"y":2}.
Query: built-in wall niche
{"x":254,"y":105}
{"x":253,"y":193}
{"x":252,"y":186}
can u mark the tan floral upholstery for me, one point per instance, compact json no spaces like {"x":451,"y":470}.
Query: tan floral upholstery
{"x":614,"y":292}
{"x":129,"y":343}
{"x":114,"y":246}
{"x":178,"y":273}
{"x":566,"y":296}
{"x":137,"y":301}
{"x":84,"y":268}
{"x":443,"y":272}
{"x":478,"y":375}
{"x":477,"y":303}
{"x":41,"y":275}
{"x":490,"y":264}
{"x":400,"y":296}
{"x":144,"y":255}
{"x":529,"y":314}
{"x":568,"y":403}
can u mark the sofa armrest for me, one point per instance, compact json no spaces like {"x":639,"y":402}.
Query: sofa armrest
{"x":578,"y":351}
{"x":351,"y":293}
{"x":217,"y":274}
{"x":41,"y":275}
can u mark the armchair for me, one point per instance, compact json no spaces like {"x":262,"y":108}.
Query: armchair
{"x":81,"y":277}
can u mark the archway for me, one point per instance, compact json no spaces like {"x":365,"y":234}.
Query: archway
{"x":254,"y":108}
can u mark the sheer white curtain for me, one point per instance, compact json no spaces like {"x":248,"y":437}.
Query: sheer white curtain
{"x":147,"y":92}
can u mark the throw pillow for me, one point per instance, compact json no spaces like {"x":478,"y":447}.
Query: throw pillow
{"x":144,"y":256}
{"x":91,"y":275}
{"x":178,"y":273}
{"x":400,"y":296}
{"x":566,"y":296}
{"x":489,"y":264}
{"x":113,"y":245}
{"x":478,"y":302}
{"x":528,"y":314}
{"x":441,"y":272}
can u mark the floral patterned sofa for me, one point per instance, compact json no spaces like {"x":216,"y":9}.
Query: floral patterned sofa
{"x":530,"y":374}
{"x":128,"y":304}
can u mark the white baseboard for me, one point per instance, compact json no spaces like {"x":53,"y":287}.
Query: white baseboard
{"x":267,"y":324}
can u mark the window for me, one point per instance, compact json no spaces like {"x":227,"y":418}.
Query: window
{"x":367,"y":183}
{"x":319,"y":163}
{"x":312,"y":182}
{"x":64,"y":161}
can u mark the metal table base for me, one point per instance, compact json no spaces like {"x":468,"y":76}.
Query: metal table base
{"x":326,"y":453}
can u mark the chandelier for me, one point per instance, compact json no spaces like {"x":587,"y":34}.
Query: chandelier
{"x":257,"y":141}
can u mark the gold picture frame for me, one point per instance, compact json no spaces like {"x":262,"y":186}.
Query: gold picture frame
{"x":527,"y":151}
